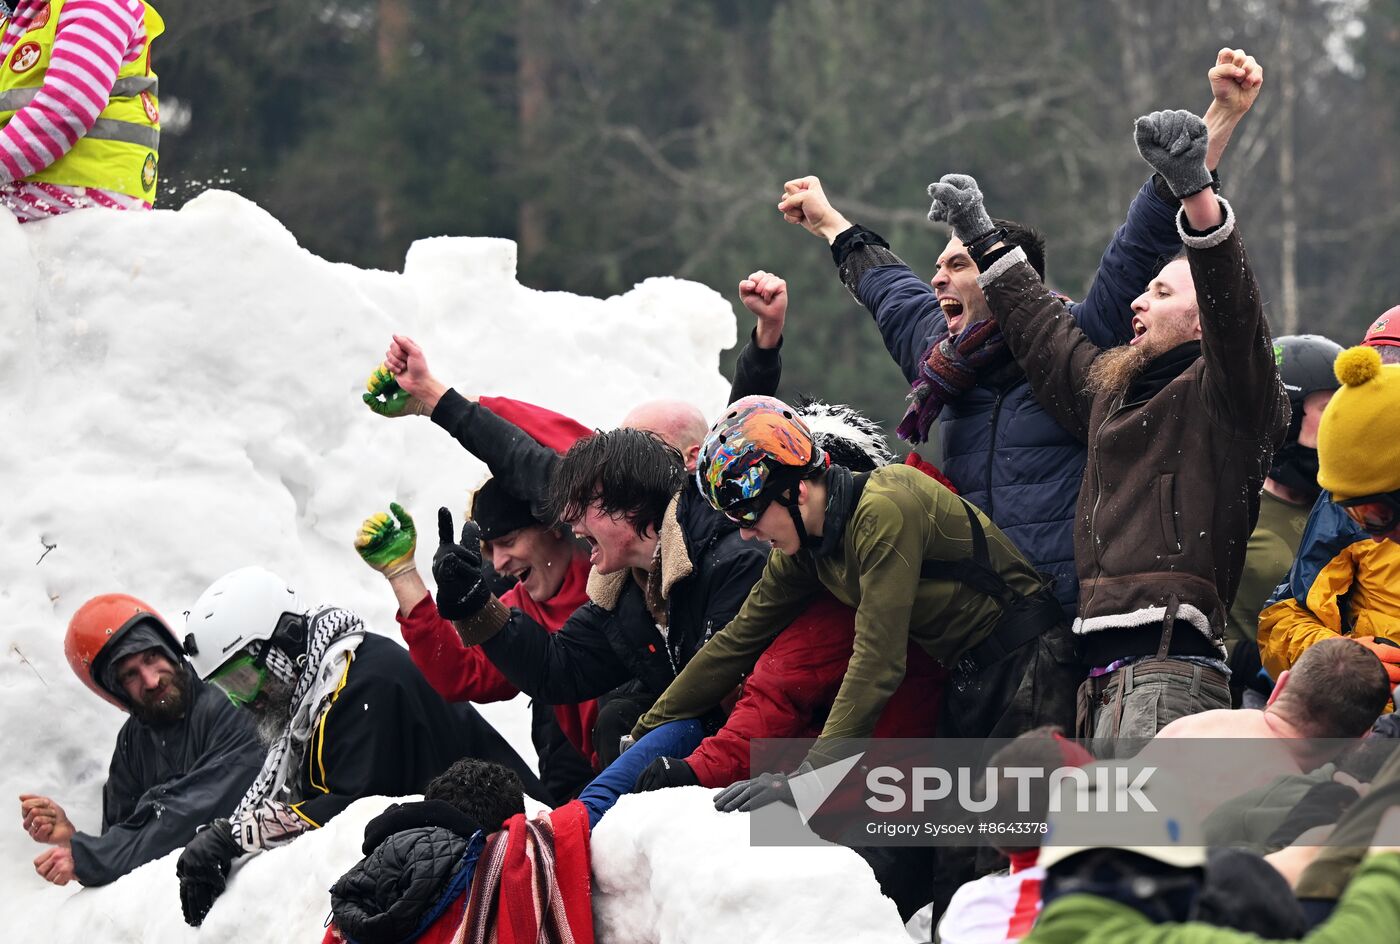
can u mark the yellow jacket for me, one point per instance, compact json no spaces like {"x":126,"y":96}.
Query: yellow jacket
{"x":1342,"y":583}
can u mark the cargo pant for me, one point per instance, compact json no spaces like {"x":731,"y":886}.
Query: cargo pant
{"x":1140,"y":699}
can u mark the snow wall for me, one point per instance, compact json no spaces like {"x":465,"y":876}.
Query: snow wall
{"x":182,"y":397}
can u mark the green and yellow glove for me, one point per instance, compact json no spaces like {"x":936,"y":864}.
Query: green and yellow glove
{"x":387,"y":545}
{"x":387,"y":398}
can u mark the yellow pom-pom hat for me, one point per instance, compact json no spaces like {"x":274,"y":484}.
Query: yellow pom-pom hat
{"x":1358,"y":441}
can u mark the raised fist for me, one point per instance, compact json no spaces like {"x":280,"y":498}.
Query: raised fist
{"x":957,"y":201}
{"x":408,"y":366}
{"x":766,"y":296}
{"x":1174,"y":143}
{"x":1235,"y":80}
{"x":804,"y":202}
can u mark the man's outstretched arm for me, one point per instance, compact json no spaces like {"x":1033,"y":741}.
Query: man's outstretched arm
{"x":1045,"y":339}
{"x":903,"y":305}
{"x":760,"y":363}
{"x":1148,"y":236}
{"x":518,"y":441}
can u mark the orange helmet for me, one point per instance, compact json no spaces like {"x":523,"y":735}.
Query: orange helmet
{"x":99,"y":622}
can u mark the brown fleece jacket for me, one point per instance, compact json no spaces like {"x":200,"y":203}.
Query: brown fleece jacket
{"x":1171,"y":488}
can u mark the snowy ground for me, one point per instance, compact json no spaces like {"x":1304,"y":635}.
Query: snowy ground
{"x":667,"y":868}
{"x":183,"y":399}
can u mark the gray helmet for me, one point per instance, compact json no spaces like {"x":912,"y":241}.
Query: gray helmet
{"x":1305,"y":363}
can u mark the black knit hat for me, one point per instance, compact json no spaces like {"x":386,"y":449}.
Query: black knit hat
{"x":497,"y":512}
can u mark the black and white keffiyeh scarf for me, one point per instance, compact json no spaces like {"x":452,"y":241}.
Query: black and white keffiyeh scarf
{"x":263,"y":817}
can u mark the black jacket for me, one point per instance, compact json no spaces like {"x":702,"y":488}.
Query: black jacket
{"x":757,"y":371}
{"x":610,"y":641}
{"x":419,"y":857}
{"x":165,"y":782}
{"x":387,"y":733}
{"x":526,"y":466}
{"x":563,"y":770}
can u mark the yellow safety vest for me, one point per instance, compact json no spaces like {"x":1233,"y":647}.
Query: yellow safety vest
{"x":120,"y":152}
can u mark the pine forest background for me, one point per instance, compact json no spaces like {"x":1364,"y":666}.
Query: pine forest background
{"x":620,"y":139}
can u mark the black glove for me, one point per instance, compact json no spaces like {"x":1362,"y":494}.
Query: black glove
{"x":461,"y":586}
{"x":1247,"y":668}
{"x":748,"y":795}
{"x":666,"y":772}
{"x":203,"y":869}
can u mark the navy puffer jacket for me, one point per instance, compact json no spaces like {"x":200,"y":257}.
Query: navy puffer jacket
{"x":1001,"y":449}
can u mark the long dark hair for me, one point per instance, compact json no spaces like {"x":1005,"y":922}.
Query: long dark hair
{"x":628,"y":472}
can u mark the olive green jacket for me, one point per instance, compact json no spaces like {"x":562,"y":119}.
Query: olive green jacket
{"x":903,"y":518}
{"x":1272,"y":547}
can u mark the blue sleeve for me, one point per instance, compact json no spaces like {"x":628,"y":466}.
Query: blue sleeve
{"x":1329,"y":531}
{"x":906,"y":311}
{"x":674,"y":739}
{"x":1147,"y":238}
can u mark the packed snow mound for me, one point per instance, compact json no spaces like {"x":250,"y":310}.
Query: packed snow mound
{"x":666,"y":868}
{"x":184,"y":399}
{"x":282,"y":895}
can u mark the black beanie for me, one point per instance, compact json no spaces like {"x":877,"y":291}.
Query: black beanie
{"x":498,"y":512}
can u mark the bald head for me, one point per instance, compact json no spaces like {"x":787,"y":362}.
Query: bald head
{"x":680,"y":425}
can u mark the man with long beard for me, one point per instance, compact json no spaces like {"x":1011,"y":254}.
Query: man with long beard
{"x":1001,"y":449}
{"x":1181,"y":425}
{"x":183,"y":757}
{"x":345,"y":714}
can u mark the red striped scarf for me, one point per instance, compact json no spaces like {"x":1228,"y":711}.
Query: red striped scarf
{"x":532,"y":883}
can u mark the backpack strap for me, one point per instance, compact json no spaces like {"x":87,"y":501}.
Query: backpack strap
{"x":977,"y":571}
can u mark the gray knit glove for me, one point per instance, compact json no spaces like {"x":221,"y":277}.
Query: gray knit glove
{"x":1174,"y":143}
{"x":957,"y":201}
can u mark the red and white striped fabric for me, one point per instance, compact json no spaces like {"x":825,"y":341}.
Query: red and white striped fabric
{"x":92,"y":39}
{"x":995,"y":908}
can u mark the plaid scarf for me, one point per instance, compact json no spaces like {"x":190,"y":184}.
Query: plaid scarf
{"x":948,"y":371}
{"x":532,"y":883}
{"x":333,"y":635}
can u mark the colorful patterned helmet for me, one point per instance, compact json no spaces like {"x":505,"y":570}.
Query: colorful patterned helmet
{"x":757,"y":449}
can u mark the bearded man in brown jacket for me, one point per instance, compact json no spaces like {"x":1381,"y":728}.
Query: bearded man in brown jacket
{"x":1181,"y":425}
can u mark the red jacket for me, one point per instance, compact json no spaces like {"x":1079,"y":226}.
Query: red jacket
{"x":794,"y":684}
{"x":531,"y":885}
{"x":795,"y":681}
{"x":545,"y":427}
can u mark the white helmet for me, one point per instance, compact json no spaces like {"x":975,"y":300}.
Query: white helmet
{"x":239,"y":608}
